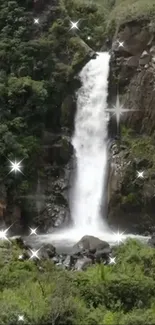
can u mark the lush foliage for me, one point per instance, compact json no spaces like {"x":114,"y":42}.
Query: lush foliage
{"x":37,"y":63}
{"x":114,"y":13}
{"x":114,"y":294}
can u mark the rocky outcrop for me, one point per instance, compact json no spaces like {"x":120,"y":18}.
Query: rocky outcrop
{"x":92,"y":250}
{"x":131,"y":199}
{"x":132,"y":74}
{"x":90,"y":243}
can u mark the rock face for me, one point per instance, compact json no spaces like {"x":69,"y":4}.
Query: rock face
{"x":90,"y":243}
{"x":83,"y":263}
{"x":131,"y":202}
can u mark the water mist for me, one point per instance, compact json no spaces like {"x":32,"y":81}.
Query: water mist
{"x":90,"y":145}
{"x":91,"y":159}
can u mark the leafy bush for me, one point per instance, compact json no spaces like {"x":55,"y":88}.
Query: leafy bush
{"x":110,"y":294}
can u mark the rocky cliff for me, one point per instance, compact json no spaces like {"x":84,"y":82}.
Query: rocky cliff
{"x":132,"y":201}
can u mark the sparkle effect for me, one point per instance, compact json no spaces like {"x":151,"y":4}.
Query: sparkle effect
{"x":118,"y":110}
{"x":20,"y":318}
{"x":33,"y":231}
{"x":20,"y":257}
{"x":112,"y":260}
{"x":36,"y":20}
{"x":15,"y":166}
{"x":140,"y":174}
{"x":34,"y":254}
{"x":119,"y":237}
{"x":120,"y":44}
{"x":3,"y":234}
{"x":74,"y":25}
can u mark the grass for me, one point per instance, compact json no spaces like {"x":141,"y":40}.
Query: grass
{"x":105,"y":295}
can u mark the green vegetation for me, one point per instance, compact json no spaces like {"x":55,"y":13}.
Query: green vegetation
{"x":114,"y":13}
{"x":114,"y":294}
{"x":140,"y":146}
{"x":37,"y":65}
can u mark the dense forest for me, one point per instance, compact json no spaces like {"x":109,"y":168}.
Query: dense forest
{"x":40,"y":57}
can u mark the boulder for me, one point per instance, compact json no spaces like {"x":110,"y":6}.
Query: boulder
{"x":145,"y":58}
{"x":102,"y":254}
{"x":68,"y":261}
{"x":90,"y":243}
{"x":48,"y":251}
{"x":133,"y":61}
{"x":83,"y":264}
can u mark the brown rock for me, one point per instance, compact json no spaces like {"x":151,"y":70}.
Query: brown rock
{"x":135,"y":38}
{"x":133,"y":61}
{"x":145,"y":58}
{"x":90,"y":243}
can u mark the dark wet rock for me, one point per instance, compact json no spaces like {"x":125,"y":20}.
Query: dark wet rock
{"x":68,"y":262}
{"x":133,"y":61}
{"x":48,"y":251}
{"x":102,"y":254}
{"x":83,"y":264}
{"x":90,"y":243}
{"x":60,"y":261}
{"x":145,"y":58}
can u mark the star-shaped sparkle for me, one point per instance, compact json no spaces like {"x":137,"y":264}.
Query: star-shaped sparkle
{"x":88,"y":37}
{"x":15,"y":166}
{"x":33,"y":231}
{"x":112,"y":260}
{"x":36,"y":20}
{"x":20,"y":318}
{"x":74,"y":25}
{"x":118,"y":110}
{"x":140,"y":174}
{"x":120,"y":44}
{"x":20,"y":257}
{"x":35,"y":254}
{"x":3,"y":234}
{"x":119,"y":237}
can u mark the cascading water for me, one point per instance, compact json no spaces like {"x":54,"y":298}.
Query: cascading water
{"x":90,"y":144}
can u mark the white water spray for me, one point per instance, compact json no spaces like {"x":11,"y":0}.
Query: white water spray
{"x":90,"y":144}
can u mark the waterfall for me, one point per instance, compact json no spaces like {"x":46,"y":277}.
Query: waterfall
{"x":90,"y":145}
